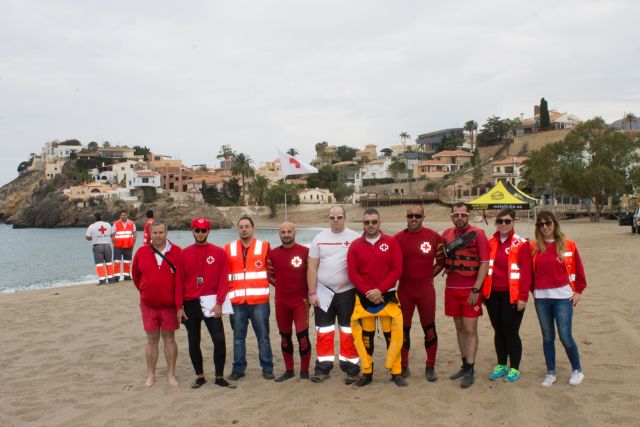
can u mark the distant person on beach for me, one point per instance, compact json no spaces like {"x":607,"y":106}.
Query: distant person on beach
{"x":506,"y":292}
{"x":421,"y":257}
{"x":288,"y":273}
{"x":558,"y":283}
{"x":249,"y":294}
{"x":124,"y":239}
{"x":375,"y":264}
{"x":466,"y":264}
{"x":146,"y":236}
{"x":201,"y":289}
{"x":327,"y":270}
{"x":100,"y":234}
{"x":154,"y":275}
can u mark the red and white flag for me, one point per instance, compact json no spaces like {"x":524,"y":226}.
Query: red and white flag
{"x":289,"y":165}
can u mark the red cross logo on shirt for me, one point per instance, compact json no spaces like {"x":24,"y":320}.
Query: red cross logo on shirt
{"x":425,"y":247}
{"x":258,"y":264}
{"x":102,"y":229}
{"x":384,"y":247}
{"x":210,"y":260}
{"x":346,"y":243}
{"x":294,"y":162}
{"x":296,"y":261}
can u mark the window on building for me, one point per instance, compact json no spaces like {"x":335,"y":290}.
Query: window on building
{"x":145,"y":180}
{"x":508,"y":169}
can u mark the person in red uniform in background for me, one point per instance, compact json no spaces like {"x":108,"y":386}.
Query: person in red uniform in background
{"x":146,"y":237}
{"x":288,"y":273}
{"x":421,"y":255}
{"x":203,"y":270}
{"x":154,"y":275}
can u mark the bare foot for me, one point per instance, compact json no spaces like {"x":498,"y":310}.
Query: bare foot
{"x":172,"y":380}
{"x":149,"y":382}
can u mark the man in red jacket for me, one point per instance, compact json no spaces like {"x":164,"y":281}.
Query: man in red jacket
{"x":202,"y":276}
{"x":154,"y":274}
{"x":374,"y":263}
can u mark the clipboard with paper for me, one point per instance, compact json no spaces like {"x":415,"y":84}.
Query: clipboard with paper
{"x":208,"y":301}
{"x":325,"y":296}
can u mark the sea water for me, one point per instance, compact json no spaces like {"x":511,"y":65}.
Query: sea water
{"x":39,"y":258}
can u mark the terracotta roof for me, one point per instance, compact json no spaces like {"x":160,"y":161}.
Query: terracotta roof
{"x":376,"y":162}
{"x":147,"y":173}
{"x":510,"y":161}
{"x":345,"y":163}
{"x":453,"y":153}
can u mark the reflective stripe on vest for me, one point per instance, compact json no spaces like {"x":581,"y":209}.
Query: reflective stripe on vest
{"x":123,"y":237}
{"x":568,"y":259}
{"x":512,"y":262}
{"x":248,"y":278}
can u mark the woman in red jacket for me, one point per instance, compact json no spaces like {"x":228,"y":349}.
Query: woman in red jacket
{"x":506,"y":291}
{"x":558,"y":282}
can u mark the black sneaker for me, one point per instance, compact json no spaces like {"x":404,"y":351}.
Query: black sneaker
{"x":468,"y":379}
{"x":399,"y":381}
{"x":319,"y":377}
{"x":127,"y":277}
{"x":235,"y":376}
{"x":286,"y":376}
{"x":304,"y":375}
{"x":223,"y":383}
{"x":199,"y":383}
{"x":350,"y":380}
{"x":405,"y":372}
{"x":267,"y":375}
{"x":458,"y":374}
{"x":101,"y":282}
{"x":431,"y":375}
{"x":364,"y":380}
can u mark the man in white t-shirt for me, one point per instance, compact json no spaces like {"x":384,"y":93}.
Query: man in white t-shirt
{"x":327,"y":266}
{"x":100,"y":234}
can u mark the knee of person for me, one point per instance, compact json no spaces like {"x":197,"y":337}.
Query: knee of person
{"x":153,"y":337}
{"x":168,"y":336}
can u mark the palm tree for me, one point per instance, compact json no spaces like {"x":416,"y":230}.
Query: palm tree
{"x":403,"y":139}
{"x":292,"y":152}
{"x":258,"y":188}
{"x":242,"y":165}
{"x":396,"y":167}
{"x":471,"y":126}
{"x":629,"y":118}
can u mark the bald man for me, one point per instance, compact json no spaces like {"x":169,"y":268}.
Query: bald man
{"x":288,"y":273}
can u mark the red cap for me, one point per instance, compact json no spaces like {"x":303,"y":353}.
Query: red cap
{"x":201,"y":223}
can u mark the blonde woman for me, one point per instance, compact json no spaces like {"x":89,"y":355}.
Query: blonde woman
{"x":558,"y":283}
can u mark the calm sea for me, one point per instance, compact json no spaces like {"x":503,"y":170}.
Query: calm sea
{"x":37,"y":258}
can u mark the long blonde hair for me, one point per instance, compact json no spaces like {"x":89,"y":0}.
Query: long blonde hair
{"x":540,"y":245}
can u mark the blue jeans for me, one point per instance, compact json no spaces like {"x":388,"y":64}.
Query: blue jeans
{"x":259,"y":316}
{"x":560,"y":310}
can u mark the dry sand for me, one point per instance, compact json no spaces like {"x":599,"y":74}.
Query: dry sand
{"x":74,"y":357}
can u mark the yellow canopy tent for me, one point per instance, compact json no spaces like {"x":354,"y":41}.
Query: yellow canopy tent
{"x":500,"y":197}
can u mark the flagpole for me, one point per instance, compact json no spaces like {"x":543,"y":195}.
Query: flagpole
{"x":285,"y":198}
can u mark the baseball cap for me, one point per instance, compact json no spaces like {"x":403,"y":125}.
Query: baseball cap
{"x":201,"y":223}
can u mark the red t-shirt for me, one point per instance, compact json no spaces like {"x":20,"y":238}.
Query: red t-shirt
{"x":550,"y":272}
{"x":455,"y":279}
{"x":208,"y":262}
{"x":420,"y":250}
{"x":376,"y":266}
{"x":288,"y":272}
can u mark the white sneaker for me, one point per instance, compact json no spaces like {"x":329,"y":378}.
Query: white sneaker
{"x":576,"y":377}
{"x":549,"y":379}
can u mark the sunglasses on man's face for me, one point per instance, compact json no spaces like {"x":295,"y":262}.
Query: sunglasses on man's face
{"x":460,"y":214}
{"x":200,"y":230}
{"x":370,"y":222}
{"x":501,"y":221}
{"x":336,"y":217}
{"x":544,"y":224}
{"x":414,"y":216}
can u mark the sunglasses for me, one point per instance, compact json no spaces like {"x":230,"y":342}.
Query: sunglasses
{"x":414,"y":216}
{"x":544,"y":223}
{"x":336,"y":217}
{"x":501,"y":221}
{"x":459,"y":214}
{"x":200,"y":230}
{"x":370,"y":222}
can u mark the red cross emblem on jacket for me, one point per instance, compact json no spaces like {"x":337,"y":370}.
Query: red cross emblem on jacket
{"x":296,"y":261}
{"x":258,"y":263}
{"x":384,"y":247}
{"x":210,"y":259}
{"x":425,"y":247}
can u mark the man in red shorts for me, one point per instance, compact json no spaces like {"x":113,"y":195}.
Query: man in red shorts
{"x":154,"y":275}
{"x":288,"y":273}
{"x":466,"y":268}
{"x":421,"y":254}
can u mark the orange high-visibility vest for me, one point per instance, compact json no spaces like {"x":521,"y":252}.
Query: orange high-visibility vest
{"x":248,"y":280}
{"x":123,"y":238}
{"x":514,"y":267}
{"x":568,"y":258}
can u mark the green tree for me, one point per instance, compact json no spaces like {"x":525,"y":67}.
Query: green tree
{"x":450,"y":142}
{"x":345,"y":153}
{"x":545,"y":120}
{"x":231,"y":191}
{"x":275,"y":196}
{"x":327,"y":177}
{"x":341,"y":191}
{"x":243,"y":166}
{"x":106,"y":144}
{"x":476,"y":164}
{"x":396,"y":167}
{"x":471,"y":126}
{"x":92,"y":146}
{"x":211,"y":194}
{"x":226,"y":153}
{"x":292,"y":152}
{"x":258,"y":188}
{"x":630,"y":118}
{"x":404,"y":136}
{"x":141,"y":151}
{"x":494,"y":131}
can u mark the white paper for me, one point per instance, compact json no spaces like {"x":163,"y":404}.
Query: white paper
{"x":325,"y":296}
{"x":208,"y":301}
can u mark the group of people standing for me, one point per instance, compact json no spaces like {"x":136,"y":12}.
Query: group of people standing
{"x":355,"y":280}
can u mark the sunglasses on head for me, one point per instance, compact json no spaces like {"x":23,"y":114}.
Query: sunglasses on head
{"x":501,"y":221}
{"x":200,"y":230}
{"x":544,"y":223}
{"x":414,"y":216}
{"x":370,"y":222}
{"x":336,"y":217}
{"x":459,"y":214}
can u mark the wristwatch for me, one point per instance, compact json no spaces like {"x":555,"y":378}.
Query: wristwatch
{"x":475,"y":290}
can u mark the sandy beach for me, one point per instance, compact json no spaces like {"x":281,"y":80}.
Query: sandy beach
{"x":74,"y":356}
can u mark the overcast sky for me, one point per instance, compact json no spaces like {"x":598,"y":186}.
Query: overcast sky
{"x":183,"y":78}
